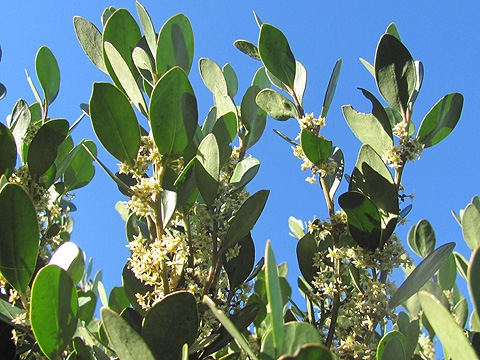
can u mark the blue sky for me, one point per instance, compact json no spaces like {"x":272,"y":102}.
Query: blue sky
{"x":442,"y":35}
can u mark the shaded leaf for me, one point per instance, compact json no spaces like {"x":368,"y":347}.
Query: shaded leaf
{"x":8,"y":151}
{"x":118,"y":301}
{"x":447,"y":274}
{"x":332,"y":86}
{"x":317,"y":149}
{"x":254,"y":118}
{"x":207,"y":168}
{"x":69,"y":257}
{"x":474,"y":278}
{"x":48,"y":73}
{"x":238,"y":269}
{"x":133,"y":286}
{"x":333,"y":181}
{"x":392,"y":346}
{"x":424,"y":238}
{"x":244,"y":172}
{"x":306,"y":249}
{"x":247,"y":48}
{"x":231,"y":79}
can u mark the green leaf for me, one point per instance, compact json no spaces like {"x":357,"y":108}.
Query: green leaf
{"x":170,"y":323}
{"x":261,"y":79}
{"x":392,"y":346}
{"x":368,"y":66}
{"x":373,"y":129}
{"x":254,"y":119}
{"x":3,"y":91}
{"x":363,"y":219}
{"x":54,"y":310}
{"x":227,"y":323}
{"x":48,"y":73}
{"x":296,"y":227}
{"x":115,"y":122}
{"x":474,"y":278}
{"x":441,"y":120}
{"x":276,"y":54}
{"x":133,"y":286}
{"x":332,"y":86}
{"x":87,"y":301}
{"x":317,"y":149}
{"x":470,"y":226}
{"x":90,"y":38}
{"x":78,"y":167}
{"x":452,"y":337}
{"x":306,"y":249}
{"x":126,"y":342}
{"x":300,"y":81}
{"x":42,"y":151}
{"x":461,"y":312}
{"x":392,"y":30}
{"x":147,"y":27}
{"x":122,"y":31}
{"x":175,"y":45}
{"x":118,"y":301}
{"x":462,"y":264}
{"x":247,"y":48}
{"x":125,"y":77}
{"x":310,"y":352}
{"x":246,"y":217}
{"x":69,"y":257}
{"x":447,"y":274}
{"x":8,"y":151}
{"x":395,"y":72}
{"x":422,"y":273}
{"x":244,"y":172}
{"x":295,"y":336}
{"x":424,"y":238}
{"x":239,"y":268}
{"x":372,"y":178}
{"x":333,"y":181}
{"x":173,"y":113}
{"x":19,"y":238}
{"x":212,"y":76}
{"x":207,"y":168}
{"x":275,"y":305}
{"x":20,"y":121}
{"x":231,"y":79}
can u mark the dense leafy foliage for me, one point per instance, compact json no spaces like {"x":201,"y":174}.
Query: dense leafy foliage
{"x":191,"y":289}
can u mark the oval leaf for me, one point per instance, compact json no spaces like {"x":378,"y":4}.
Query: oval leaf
{"x":212,"y":75}
{"x":48,"y":73}
{"x":69,"y":257}
{"x":8,"y":151}
{"x":90,"y":38}
{"x":207,"y":168}
{"x":470,"y":228}
{"x":474,"y":278}
{"x":316,"y":149}
{"x":19,"y":238}
{"x":276,"y":105}
{"x":424,"y":238}
{"x":54,"y":310}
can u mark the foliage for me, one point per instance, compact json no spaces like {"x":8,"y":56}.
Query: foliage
{"x":191,"y":289}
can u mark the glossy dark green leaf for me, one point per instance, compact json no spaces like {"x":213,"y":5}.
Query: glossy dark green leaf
{"x":207,"y":168}
{"x":422,"y":273}
{"x":239,"y":267}
{"x":333,"y":181}
{"x":247,"y":48}
{"x":90,"y":38}
{"x":244,"y":172}
{"x":246,"y":217}
{"x":276,"y":54}
{"x":8,"y":151}
{"x":122,"y":31}
{"x":115,"y":122}
{"x":470,"y":226}
{"x":332,"y":86}
{"x":69,"y":257}
{"x":125,"y":77}
{"x":42,"y":151}
{"x":170,"y":323}
{"x":316,"y":149}
{"x":175,"y":45}
{"x":395,"y":72}
{"x":133,"y":318}
{"x":424,"y":238}
{"x":261,"y":79}
{"x":447,"y":274}
{"x":452,"y":337}
{"x":126,"y":342}
{"x":19,"y":237}
{"x":275,"y":304}
{"x":48,"y":73}
{"x":310,"y":352}
{"x":87,"y":301}
{"x":441,"y":120}
{"x":474,"y":278}
{"x":295,"y":336}
{"x":372,"y":178}
{"x":118,"y":301}
{"x":53,"y":310}
{"x":306,"y":249}
{"x":231,"y":79}
{"x":373,"y":129}
{"x":82,"y":350}
{"x":212,"y":75}
{"x":147,"y":27}
{"x":133,"y":286}
{"x":173,"y":113}
{"x":363,"y":219}
{"x":395,"y":350}
{"x":254,"y":118}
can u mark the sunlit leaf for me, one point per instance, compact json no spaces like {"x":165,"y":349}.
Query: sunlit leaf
{"x":316,"y":149}
{"x":69,"y":257}
{"x":147,"y":27}
{"x":90,"y":38}
{"x":247,"y":48}
{"x":48,"y":73}
{"x":212,"y":75}
{"x":332,"y":86}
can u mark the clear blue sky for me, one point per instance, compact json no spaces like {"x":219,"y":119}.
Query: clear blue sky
{"x":442,"y":34}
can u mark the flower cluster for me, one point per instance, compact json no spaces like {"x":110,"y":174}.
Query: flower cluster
{"x":310,"y":123}
{"x":408,"y":149}
{"x":321,"y":170}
